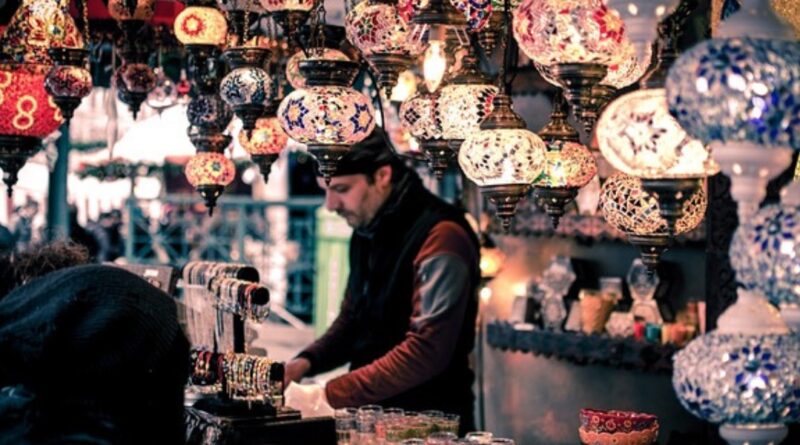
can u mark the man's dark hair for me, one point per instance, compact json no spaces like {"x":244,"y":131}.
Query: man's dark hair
{"x":37,"y":260}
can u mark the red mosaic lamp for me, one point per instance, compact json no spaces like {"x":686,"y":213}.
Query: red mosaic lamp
{"x":209,"y":171}
{"x":266,"y":142}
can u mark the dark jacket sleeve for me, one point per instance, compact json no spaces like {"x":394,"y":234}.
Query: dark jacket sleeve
{"x":332,"y":349}
{"x":441,"y":292}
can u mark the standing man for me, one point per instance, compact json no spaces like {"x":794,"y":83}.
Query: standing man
{"x":407,"y":322}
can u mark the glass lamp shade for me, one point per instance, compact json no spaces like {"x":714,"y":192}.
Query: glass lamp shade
{"x":165,"y":93}
{"x":638,"y":136}
{"x":376,"y":28}
{"x":502,"y":157}
{"x":627,"y":207}
{"x":209,"y":168}
{"x":477,"y":12}
{"x":641,"y":19}
{"x":293,"y":75}
{"x":244,"y":86}
{"x":765,"y":253}
{"x":569,"y":165}
{"x":738,"y":90}
{"x":25,"y":106}
{"x":420,"y":117}
{"x":37,"y":26}
{"x":287,"y":5}
{"x":69,"y":81}
{"x":744,"y":374}
{"x":201,"y":25}
{"x":122,"y":10}
{"x":327,"y":115}
{"x":462,"y":108}
{"x":138,"y":77}
{"x":210,"y":112}
{"x":790,"y":11}
{"x":554,"y":32}
{"x":268,"y":137}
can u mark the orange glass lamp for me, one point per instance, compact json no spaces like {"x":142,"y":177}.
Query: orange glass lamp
{"x":569,"y":166}
{"x":289,"y":14}
{"x":266,"y":142}
{"x":629,"y":208}
{"x":209,"y":173}
{"x":201,"y":24}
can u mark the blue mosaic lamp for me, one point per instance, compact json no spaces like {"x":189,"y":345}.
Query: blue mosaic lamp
{"x":740,"y":92}
{"x":744,"y":374}
{"x":766,"y":254}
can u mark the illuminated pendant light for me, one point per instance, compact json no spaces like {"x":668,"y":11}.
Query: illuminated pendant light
{"x":28,"y":112}
{"x":440,"y":29}
{"x":629,"y":208}
{"x":641,"y":19}
{"x":420,"y":116}
{"x":578,"y":40}
{"x":289,"y":14}
{"x":293,"y":75}
{"x":328,"y":115}
{"x":382,"y":36}
{"x":202,"y":29}
{"x":247,"y":87}
{"x":209,"y":171}
{"x":465,"y":101}
{"x":267,"y":141}
{"x":136,"y":76}
{"x":739,"y":93}
{"x":569,"y":166}
{"x":639,"y":137}
{"x":69,"y":81}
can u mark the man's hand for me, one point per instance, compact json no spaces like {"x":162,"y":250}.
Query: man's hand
{"x":295,"y":370}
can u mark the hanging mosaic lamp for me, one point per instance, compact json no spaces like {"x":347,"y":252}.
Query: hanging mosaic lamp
{"x":438,"y":30}
{"x":209,"y":171}
{"x":578,"y":40}
{"x":267,"y":141}
{"x":209,"y":113}
{"x":328,"y":115}
{"x":742,"y":375}
{"x":202,"y":29}
{"x":739,"y":93}
{"x":289,"y":14}
{"x":29,"y":113}
{"x":165,"y":93}
{"x":376,"y":28}
{"x":420,"y":116}
{"x":247,"y":87}
{"x":765,"y":253}
{"x":465,"y":100}
{"x":503,"y":158}
{"x":69,"y":80}
{"x":131,"y":15}
{"x":569,"y":166}
{"x":629,"y":208}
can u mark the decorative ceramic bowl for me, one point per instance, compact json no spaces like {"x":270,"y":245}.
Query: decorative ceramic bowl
{"x":644,"y":437}
{"x":600,"y":421}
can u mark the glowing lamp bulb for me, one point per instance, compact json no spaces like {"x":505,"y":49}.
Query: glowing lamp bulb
{"x":435,"y":64}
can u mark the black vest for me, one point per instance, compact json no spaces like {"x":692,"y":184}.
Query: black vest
{"x":381,"y":287}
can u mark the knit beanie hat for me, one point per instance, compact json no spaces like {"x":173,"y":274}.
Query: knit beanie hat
{"x":94,"y":341}
{"x":366,"y":156}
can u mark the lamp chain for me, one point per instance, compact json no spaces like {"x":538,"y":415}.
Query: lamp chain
{"x":85,"y":12}
{"x":318,"y":20}
{"x":246,"y":31}
{"x":504,"y":45}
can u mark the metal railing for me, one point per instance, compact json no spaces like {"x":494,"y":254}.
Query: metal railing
{"x":278,"y":237}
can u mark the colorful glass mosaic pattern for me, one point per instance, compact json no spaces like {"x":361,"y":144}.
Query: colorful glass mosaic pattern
{"x":419,"y":115}
{"x":25,"y":106}
{"x":138,"y":77}
{"x":376,"y":28}
{"x":246,"y":85}
{"x":740,"y":379}
{"x":68,"y":81}
{"x":209,"y":111}
{"x":638,"y":136}
{"x":268,"y":137}
{"x":36,"y":26}
{"x":738,"y":90}
{"x":765,"y":253}
{"x":287,"y":5}
{"x":500,"y":157}
{"x":200,"y":25}
{"x":327,"y":115}
{"x":629,"y":208}
{"x":208,"y":168}
{"x":462,"y":108}
{"x":568,"y":31}
{"x":569,"y":164}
